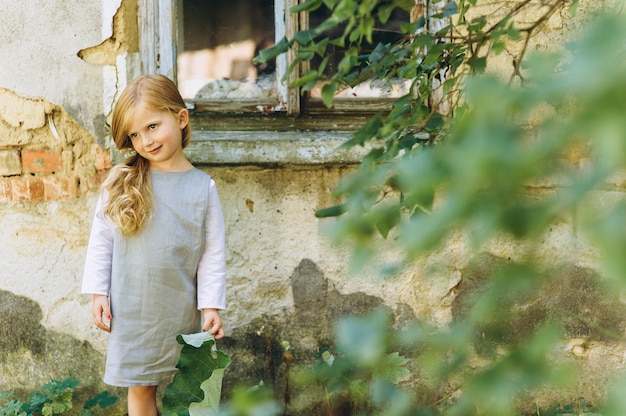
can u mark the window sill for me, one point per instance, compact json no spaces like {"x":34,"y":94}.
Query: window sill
{"x":271,"y":148}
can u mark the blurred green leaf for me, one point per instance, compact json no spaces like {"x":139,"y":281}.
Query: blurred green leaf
{"x":489,"y":156}
{"x":270,"y":53}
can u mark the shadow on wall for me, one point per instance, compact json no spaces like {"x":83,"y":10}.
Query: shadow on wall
{"x":31,"y":355}
{"x":576,"y":298}
{"x":257,"y":349}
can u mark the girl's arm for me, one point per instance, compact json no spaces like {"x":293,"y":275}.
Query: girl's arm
{"x":97,"y":270}
{"x":212,"y":265}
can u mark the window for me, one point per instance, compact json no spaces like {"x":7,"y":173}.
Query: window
{"x":219,"y":40}
{"x":208,"y":46}
{"x":367,"y":95}
{"x":259,"y":130}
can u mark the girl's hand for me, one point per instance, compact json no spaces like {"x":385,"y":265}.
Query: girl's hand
{"x":100,"y":311}
{"x":212,"y":322}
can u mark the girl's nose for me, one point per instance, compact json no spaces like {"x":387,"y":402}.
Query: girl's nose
{"x":146,"y":140}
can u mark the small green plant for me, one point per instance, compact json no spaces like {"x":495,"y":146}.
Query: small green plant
{"x":101,"y":400}
{"x":53,"y":398}
{"x":578,"y":407}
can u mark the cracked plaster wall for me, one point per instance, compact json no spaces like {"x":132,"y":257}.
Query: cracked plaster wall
{"x":38,"y":45}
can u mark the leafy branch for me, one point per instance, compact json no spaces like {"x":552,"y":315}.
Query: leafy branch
{"x":467,"y":152}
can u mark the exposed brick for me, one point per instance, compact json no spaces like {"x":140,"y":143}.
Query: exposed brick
{"x":27,"y":189}
{"x":36,"y":189}
{"x":10,"y":163}
{"x":6,"y":194}
{"x":103,"y":159}
{"x":41,"y":160}
{"x":19,"y":189}
{"x":59,"y":187}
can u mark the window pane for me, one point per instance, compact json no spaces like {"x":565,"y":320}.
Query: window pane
{"x":219,"y":40}
{"x":388,"y":33}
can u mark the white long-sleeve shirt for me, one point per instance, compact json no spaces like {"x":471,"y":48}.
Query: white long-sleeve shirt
{"x":211,"y":275}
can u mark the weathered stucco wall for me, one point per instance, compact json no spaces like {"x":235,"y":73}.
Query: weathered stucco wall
{"x":286,"y":281}
{"x":38,"y":46}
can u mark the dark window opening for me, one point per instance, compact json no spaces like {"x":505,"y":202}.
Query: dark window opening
{"x":219,"y":40}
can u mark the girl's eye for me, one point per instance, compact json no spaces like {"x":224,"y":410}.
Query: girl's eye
{"x":152,"y":126}
{"x":133,"y":135}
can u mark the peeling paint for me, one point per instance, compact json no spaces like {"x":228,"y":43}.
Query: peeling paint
{"x":124,"y":37}
{"x":34,"y":120}
{"x":47,"y":154}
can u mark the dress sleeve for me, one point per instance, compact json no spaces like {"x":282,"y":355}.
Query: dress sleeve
{"x":97,"y":270}
{"x":212,"y":265}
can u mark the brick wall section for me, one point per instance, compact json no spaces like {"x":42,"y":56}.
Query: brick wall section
{"x":10,"y":163}
{"x":44,"y":154}
{"x":37,"y":176}
{"x":38,"y":189}
{"x":41,"y":161}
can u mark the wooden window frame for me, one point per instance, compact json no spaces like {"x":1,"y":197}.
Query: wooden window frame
{"x":160,"y":22}
{"x":159,"y":25}
{"x":286,"y":137}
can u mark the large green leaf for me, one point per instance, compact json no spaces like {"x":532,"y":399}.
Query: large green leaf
{"x":197,"y":386}
{"x":212,"y":390}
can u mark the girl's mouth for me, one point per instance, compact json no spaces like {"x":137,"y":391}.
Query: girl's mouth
{"x":155,"y":150}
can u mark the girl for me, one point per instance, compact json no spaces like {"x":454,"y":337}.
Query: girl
{"x":156,"y":253}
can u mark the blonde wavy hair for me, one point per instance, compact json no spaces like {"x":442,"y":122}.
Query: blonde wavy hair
{"x":129,"y":203}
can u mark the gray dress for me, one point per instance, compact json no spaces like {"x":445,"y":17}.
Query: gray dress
{"x":153,"y":282}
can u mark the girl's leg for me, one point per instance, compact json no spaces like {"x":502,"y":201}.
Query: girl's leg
{"x":142,"y":401}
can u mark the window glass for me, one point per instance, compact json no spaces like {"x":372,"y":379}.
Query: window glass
{"x":217,"y":42}
{"x":383,"y":34}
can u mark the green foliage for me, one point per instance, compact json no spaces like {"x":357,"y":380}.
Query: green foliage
{"x":255,"y":401}
{"x":362,"y":372}
{"x":501,"y":140}
{"x":101,"y":400}
{"x":53,"y":398}
{"x":372,"y":360}
{"x":197,"y":386}
{"x":577,"y":408}
{"x":462,"y":151}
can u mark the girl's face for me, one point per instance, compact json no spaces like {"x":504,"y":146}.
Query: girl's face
{"x":157,"y":136}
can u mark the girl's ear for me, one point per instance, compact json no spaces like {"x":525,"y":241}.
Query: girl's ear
{"x":183,"y":118}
